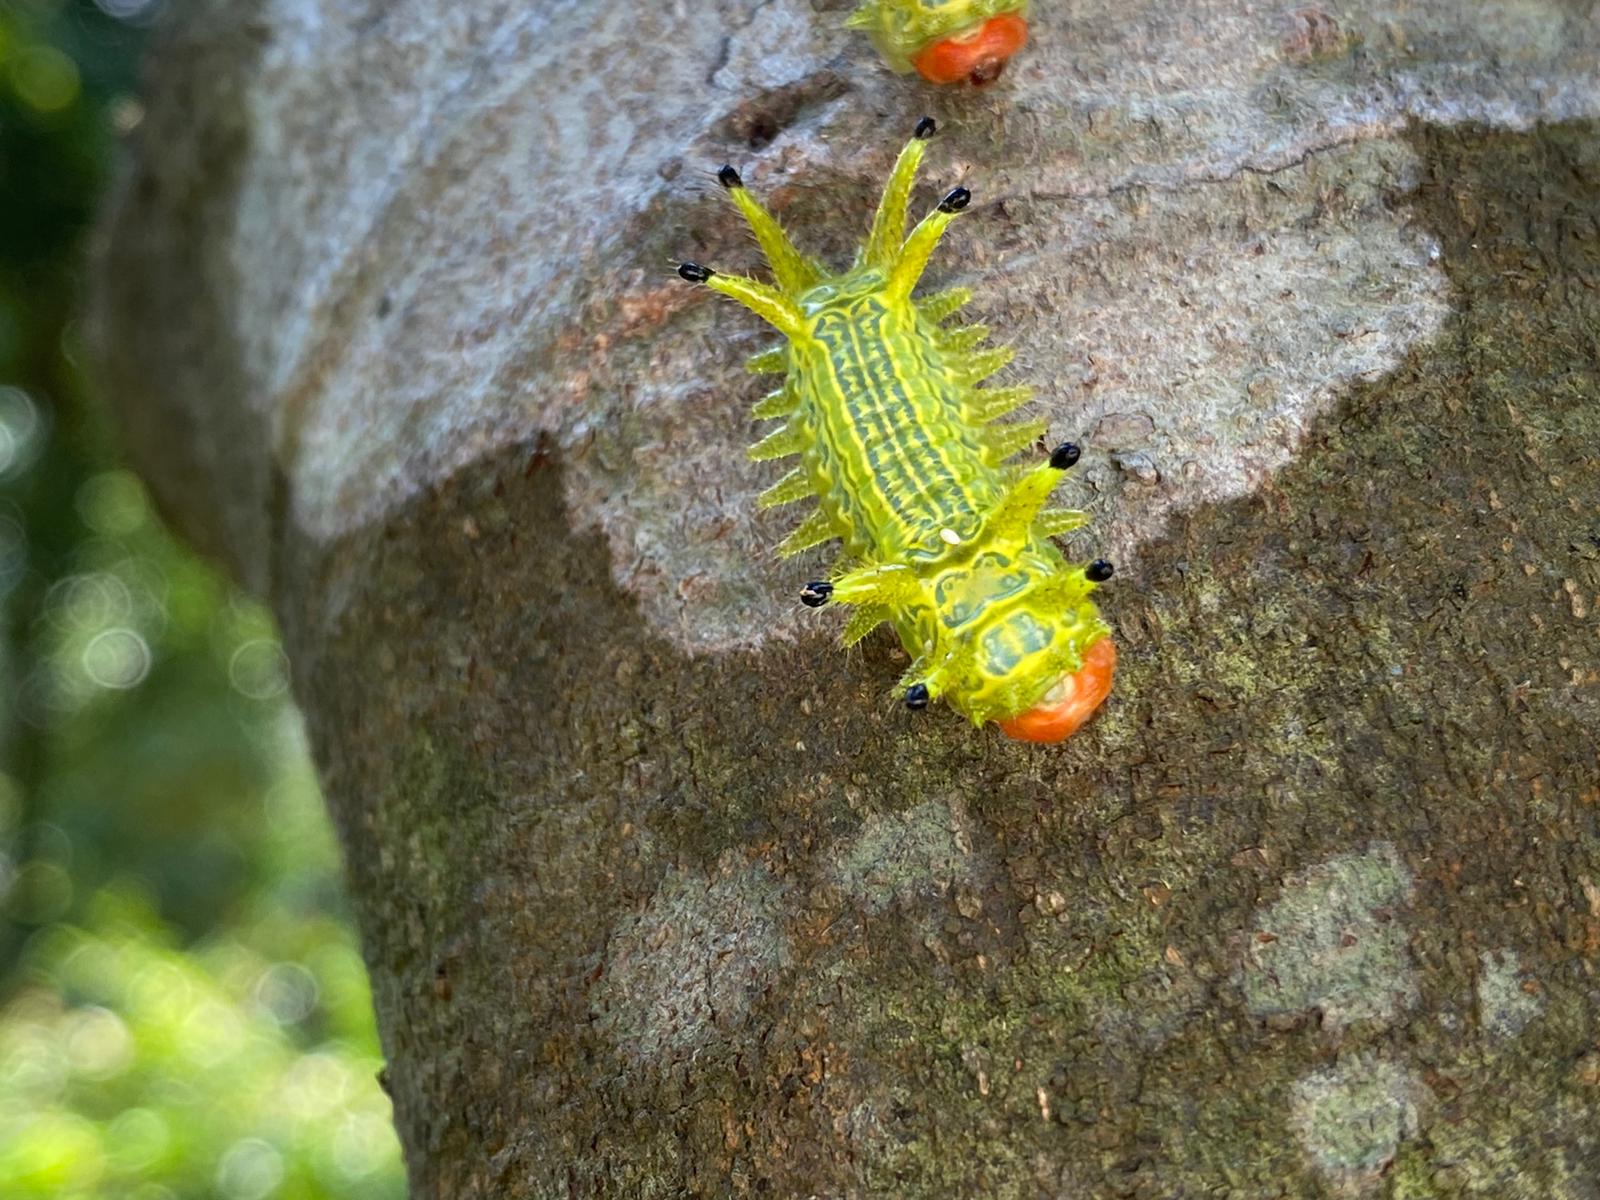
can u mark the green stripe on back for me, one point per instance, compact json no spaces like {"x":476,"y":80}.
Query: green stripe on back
{"x":890,"y":410}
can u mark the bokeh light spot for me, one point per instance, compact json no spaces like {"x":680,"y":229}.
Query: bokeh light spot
{"x":98,"y":1043}
{"x":125,"y":10}
{"x":127,"y":114}
{"x":159,"y":994}
{"x":212,"y":1033}
{"x":19,"y":430}
{"x":137,"y":1137}
{"x":89,"y":602}
{"x":250,"y":1170}
{"x":32,"y":1063}
{"x":117,"y":658}
{"x":288,"y":992}
{"x":113,"y":503}
{"x":315,"y":1086}
{"x":363,"y":1143}
{"x":81,"y":963}
{"x":44,"y":78}
{"x":259,"y":669}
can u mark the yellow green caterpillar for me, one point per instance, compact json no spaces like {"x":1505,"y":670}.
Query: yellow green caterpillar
{"x":902,"y":452}
{"x":945,"y":41}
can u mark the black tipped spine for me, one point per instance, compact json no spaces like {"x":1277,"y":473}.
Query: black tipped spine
{"x":1065,"y":456}
{"x":694,"y":272}
{"x":917,"y":697}
{"x":815,"y":594}
{"x":957,"y":200}
{"x":729,"y":178}
{"x":925,"y":129}
{"x":1098,"y":571}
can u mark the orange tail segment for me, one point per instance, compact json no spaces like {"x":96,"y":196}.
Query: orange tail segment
{"x":1065,"y":707}
{"x":977,"y":56}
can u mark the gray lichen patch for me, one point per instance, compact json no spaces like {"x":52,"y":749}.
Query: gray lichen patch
{"x":690,"y":966}
{"x":1352,"y":1118}
{"x":919,"y":853}
{"x":1508,"y":997}
{"x":1332,"y":941}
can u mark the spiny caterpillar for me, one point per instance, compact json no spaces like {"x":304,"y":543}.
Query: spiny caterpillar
{"x":945,"y":41}
{"x":895,"y":442}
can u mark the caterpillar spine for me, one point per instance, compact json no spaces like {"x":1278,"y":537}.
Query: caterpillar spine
{"x":906,"y":459}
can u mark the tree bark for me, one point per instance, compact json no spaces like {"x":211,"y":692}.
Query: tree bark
{"x":660,"y":893}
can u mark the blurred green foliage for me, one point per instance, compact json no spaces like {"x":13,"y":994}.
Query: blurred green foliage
{"x":183,"y":1011}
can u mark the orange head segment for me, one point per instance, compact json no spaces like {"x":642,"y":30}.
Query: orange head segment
{"x":1065,"y":707}
{"x":977,"y":54}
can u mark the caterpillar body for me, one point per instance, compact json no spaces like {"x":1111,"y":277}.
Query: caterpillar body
{"x":900,"y":449}
{"x":945,"y":41}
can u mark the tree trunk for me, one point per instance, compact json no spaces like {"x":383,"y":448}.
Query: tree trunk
{"x":661,"y":894}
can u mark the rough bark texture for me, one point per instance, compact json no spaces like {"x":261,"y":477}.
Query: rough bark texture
{"x":661,"y":896}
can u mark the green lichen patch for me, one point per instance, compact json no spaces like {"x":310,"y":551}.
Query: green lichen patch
{"x":1352,"y":1117}
{"x":1333,"y":942}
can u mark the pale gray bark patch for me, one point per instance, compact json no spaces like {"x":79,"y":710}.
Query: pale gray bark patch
{"x":1335,"y":941}
{"x":1508,"y":995}
{"x":920,"y":853}
{"x":688,"y":968}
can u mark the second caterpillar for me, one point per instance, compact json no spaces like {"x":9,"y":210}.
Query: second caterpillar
{"x":899,"y":446}
{"x":945,"y":41}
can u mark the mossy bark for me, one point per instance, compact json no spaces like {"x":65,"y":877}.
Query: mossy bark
{"x":658,"y":906}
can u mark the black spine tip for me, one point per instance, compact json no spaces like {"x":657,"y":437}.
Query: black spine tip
{"x":1098,"y":571}
{"x":917,"y":697}
{"x":815,"y":594}
{"x":955,"y":201}
{"x":1065,"y":456}
{"x":925,"y":129}
{"x":694,"y":272}
{"x":729,"y":178}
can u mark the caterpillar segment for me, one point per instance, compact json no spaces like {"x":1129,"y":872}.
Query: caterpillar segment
{"x":905,"y":458}
{"x":945,"y":41}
